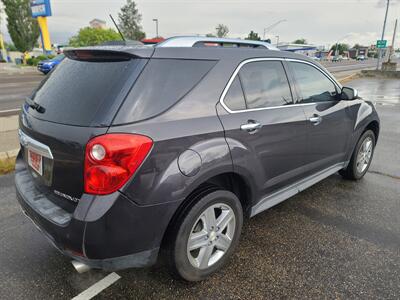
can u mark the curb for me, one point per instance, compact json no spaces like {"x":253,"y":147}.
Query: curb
{"x":9,"y":154}
{"x":349,"y":77}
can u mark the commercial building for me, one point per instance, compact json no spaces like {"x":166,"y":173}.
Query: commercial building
{"x":97,"y":23}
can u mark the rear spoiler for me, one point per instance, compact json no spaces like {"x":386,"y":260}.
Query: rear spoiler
{"x":108,"y":53}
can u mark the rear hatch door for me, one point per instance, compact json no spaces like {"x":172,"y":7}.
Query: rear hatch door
{"x":75,"y":103}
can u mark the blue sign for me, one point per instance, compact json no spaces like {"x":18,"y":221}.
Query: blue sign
{"x":40,"y":8}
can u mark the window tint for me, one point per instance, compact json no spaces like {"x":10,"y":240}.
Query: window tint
{"x":162,"y":83}
{"x":313,"y":85}
{"x":265,"y":84}
{"x":77,"y":92}
{"x":234,"y":98}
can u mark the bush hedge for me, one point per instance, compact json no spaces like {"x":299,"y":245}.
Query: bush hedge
{"x":35,"y":60}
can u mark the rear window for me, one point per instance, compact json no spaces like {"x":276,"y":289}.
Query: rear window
{"x":84,"y":93}
{"x":162,"y":83}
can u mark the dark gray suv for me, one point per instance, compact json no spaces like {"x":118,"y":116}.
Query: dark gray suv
{"x":129,"y":150}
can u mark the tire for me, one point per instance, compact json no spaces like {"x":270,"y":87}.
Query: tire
{"x":356,"y":170}
{"x":211,"y":246}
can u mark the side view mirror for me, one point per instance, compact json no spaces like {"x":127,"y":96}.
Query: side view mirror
{"x":349,"y":93}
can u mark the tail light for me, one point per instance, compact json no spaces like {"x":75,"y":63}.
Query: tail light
{"x":111,"y":159}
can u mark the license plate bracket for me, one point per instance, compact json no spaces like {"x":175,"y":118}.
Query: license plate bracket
{"x":35,"y":161}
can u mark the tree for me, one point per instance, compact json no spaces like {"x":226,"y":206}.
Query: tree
{"x":301,"y":41}
{"x":88,"y":36}
{"x":253,"y":36}
{"x":129,"y":21}
{"x":23,"y":29}
{"x":222,"y":30}
{"x":10,"y":46}
{"x":341,"y":48}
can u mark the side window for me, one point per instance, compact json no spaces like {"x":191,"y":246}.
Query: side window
{"x":265,"y":84}
{"x":234,"y":98}
{"x":312,"y":84}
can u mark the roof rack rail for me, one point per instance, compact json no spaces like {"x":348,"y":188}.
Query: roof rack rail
{"x":198,"y":41}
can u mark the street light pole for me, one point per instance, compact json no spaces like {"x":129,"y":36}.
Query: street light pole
{"x":267,"y":29}
{"x":383,"y":35}
{"x":156,"y":20}
{"x":277,"y":40}
{"x":337,"y":43}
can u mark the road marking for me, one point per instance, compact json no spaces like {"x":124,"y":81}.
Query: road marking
{"x":19,"y":84}
{"x":98,"y":287}
{"x":9,"y":112}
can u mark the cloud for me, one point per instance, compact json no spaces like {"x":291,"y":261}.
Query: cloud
{"x":321,"y":22}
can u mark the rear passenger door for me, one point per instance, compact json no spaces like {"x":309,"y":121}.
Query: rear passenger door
{"x":329,"y":125}
{"x":265,"y":131}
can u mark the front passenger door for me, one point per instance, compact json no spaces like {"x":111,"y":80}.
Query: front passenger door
{"x":266,"y":133}
{"x":329,"y":125}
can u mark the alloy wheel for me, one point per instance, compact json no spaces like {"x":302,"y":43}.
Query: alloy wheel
{"x":211,"y":235}
{"x":364,"y":155}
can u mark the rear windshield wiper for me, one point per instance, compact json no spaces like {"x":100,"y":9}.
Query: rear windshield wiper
{"x":36,"y":106}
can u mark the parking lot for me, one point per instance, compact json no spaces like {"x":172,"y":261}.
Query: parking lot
{"x":338,"y":239}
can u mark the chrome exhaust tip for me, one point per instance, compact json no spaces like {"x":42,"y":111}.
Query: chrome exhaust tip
{"x":80,"y":267}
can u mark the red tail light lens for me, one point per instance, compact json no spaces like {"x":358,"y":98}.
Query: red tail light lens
{"x":111,"y":159}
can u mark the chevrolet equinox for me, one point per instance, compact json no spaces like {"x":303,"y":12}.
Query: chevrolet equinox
{"x":127,"y":150}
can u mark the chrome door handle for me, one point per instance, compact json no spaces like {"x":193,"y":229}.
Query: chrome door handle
{"x":251,"y":127}
{"x":315,"y":119}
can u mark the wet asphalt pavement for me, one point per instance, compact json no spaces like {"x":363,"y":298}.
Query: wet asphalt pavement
{"x":338,"y":240}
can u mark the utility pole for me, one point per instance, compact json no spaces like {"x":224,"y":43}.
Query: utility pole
{"x":393,"y":40}
{"x":383,"y":35}
{"x":277,"y":40}
{"x":156,"y":20}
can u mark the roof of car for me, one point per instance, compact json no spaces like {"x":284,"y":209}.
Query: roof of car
{"x":205,"y":53}
{"x":201,"y":41}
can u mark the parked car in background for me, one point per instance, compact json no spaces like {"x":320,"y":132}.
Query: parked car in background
{"x":337,"y":58}
{"x":119,"y":174}
{"x":361,"y":57}
{"x":45,"y":66}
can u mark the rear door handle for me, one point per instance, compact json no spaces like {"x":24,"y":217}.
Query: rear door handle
{"x":251,"y":127}
{"x":315,"y":119}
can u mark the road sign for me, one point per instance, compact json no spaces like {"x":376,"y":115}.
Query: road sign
{"x":40,"y":8}
{"x":381,"y":44}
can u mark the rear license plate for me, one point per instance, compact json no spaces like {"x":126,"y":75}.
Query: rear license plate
{"x":35,"y":161}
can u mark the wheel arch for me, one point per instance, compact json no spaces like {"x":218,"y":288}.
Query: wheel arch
{"x":374,"y":127}
{"x":230,"y":181}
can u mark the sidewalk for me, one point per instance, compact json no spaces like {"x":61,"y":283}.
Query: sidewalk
{"x":9,"y":143}
{"x":13,"y":68}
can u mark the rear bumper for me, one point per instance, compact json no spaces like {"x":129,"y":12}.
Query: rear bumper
{"x":108,"y":232}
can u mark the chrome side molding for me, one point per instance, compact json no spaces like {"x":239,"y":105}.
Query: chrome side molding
{"x":294,"y":189}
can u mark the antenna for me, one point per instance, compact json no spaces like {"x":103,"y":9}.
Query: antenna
{"x":116,"y":26}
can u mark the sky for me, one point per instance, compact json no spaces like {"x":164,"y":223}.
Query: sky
{"x":320,"y":22}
